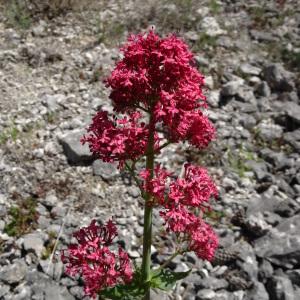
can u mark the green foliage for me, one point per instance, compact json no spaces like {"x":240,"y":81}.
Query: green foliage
{"x":215,"y":215}
{"x":18,"y":14}
{"x":9,"y":134}
{"x":237,"y":160}
{"x":165,"y":279}
{"x":133,"y":291}
{"x":50,"y":117}
{"x":49,"y":246}
{"x":23,"y":218}
{"x":110,"y":32}
{"x":277,"y":144}
{"x":291,"y":58}
{"x":214,"y":7}
{"x":1,"y":245}
{"x":257,"y":13}
{"x":162,"y":279}
{"x":205,"y":41}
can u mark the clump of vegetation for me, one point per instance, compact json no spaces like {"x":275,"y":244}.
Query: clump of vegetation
{"x":237,"y":160}
{"x":49,"y":246}
{"x":276,"y":145}
{"x":215,"y":216}
{"x":204,"y":42}
{"x":258,"y":15}
{"x":110,"y":32}
{"x":51,"y":117}
{"x":10,"y":133}
{"x":214,"y":7}
{"x":291,"y":59}
{"x":23,"y":217}
{"x":18,"y":14}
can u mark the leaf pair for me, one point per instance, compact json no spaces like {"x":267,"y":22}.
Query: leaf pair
{"x":162,"y":279}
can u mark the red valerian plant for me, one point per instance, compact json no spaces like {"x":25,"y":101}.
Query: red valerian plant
{"x":157,"y":95}
{"x":94,"y":261}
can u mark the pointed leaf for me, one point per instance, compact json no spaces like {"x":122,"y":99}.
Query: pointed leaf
{"x":123,"y":292}
{"x":165,"y":279}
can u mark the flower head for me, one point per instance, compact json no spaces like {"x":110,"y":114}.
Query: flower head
{"x":117,"y":139}
{"x":177,"y":199}
{"x":92,"y":259}
{"x":159,"y":75}
{"x":188,"y":227}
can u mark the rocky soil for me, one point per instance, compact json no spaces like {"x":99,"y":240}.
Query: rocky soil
{"x":51,"y":71}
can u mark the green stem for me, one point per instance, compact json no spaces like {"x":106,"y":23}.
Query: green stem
{"x":132,"y":173}
{"x":165,"y":264}
{"x":146,"y":262}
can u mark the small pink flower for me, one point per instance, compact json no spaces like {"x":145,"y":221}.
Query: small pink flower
{"x":178,"y":197}
{"x":117,"y":139}
{"x":161,"y":72}
{"x":92,"y":259}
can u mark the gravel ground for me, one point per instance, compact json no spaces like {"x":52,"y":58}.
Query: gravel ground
{"x":51,"y":68}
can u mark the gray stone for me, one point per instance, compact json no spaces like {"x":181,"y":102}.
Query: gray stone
{"x":262,"y":36}
{"x":280,"y":288}
{"x":77,"y":291}
{"x":282,"y":244}
{"x":14,"y":273}
{"x":231,"y":88}
{"x":75,"y":152}
{"x":287,"y":208}
{"x":107,"y":171}
{"x":33,"y":242}
{"x":211,"y":26}
{"x":40,"y":29}
{"x":43,"y":222}
{"x":269,"y":132}
{"x":260,"y":170}
{"x":258,"y":292}
{"x":206,"y":294}
{"x":223,"y":295}
{"x":293,"y":138}
{"x":247,"y":121}
{"x":248,"y":69}
{"x":3,"y":210}
{"x":50,"y":200}
{"x":297,"y":293}
{"x":212,"y":283}
{"x":23,"y":292}
{"x":158,"y":295}
{"x":265,"y":270}
{"x":261,"y":204}
{"x":257,"y":225}
{"x":2,"y":225}
{"x":52,"y":101}
{"x":293,"y":112}
{"x":247,"y":96}
{"x":277,"y":159}
{"x":57,"y":292}
{"x":53,"y":269}
{"x":263,"y":89}
{"x":246,"y":258}
{"x":272,"y":218}
{"x":294,"y":276}
{"x":4,"y":289}
{"x":278,"y":78}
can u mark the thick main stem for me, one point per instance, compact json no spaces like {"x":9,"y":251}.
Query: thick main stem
{"x":146,"y":262}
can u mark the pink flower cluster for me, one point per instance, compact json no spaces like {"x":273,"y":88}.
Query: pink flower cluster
{"x":94,"y":261}
{"x":179,"y":199}
{"x":116,"y":140}
{"x":156,"y":75}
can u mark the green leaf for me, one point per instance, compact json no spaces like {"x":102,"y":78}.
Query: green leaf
{"x":165,"y":279}
{"x":132,"y":291}
{"x":123,"y":292}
